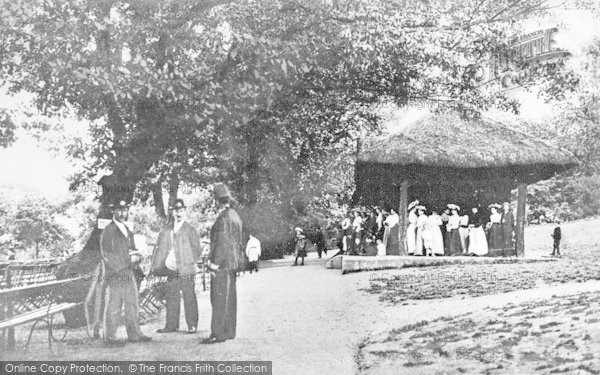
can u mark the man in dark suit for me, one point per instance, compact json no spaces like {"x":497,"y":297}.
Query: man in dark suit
{"x":117,"y":247}
{"x":225,"y":257}
{"x":175,"y":255}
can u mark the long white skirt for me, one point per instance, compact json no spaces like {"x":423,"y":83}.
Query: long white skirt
{"x":437,"y":241}
{"x":477,"y":242}
{"x":411,"y":238}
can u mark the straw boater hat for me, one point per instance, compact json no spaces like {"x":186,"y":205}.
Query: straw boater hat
{"x":299,"y":230}
{"x":221,"y":191}
{"x":495,"y":205}
{"x":420,"y":208}
{"x":412,"y":205}
{"x":453,"y":206}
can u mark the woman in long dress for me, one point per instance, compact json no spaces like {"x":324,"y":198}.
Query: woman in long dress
{"x":454,"y":246}
{"x":434,"y":222}
{"x":508,"y":225}
{"x":411,"y":230}
{"x":390,"y":237}
{"x":421,"y":220}
{"x":495,"y":240}
{"x":477,"y":241}
{"x":346,"y":227}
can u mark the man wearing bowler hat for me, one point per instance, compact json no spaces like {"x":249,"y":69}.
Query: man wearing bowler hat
{"x":175,"y":255}
{"x":117,"y":248}
{"x":224,"y":256}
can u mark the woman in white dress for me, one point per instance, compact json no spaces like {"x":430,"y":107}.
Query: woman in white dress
{"x":477,"y":241}
{"x":421,"y":220}
{"x":411,"y":230}
{"x":434,"y":222}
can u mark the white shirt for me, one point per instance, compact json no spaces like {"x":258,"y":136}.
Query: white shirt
{"x":122,"y":227}
{"x":253,"y":249}
{"x":392,"y":220}
{"x":453,"y":222}
{"x":171,"y":261}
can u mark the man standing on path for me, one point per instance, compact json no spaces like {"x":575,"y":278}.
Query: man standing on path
{"x":225,"y":258}
{"x":117,"y":247}
{"x":175,"y":256}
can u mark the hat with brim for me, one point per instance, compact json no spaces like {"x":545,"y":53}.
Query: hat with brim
{"x":221,"y":191}
{"x":420,"y":208}
{"x":453,"y":206}
{"x":299,"y":230}
{"x":495,"y":205}
{"x":412,"y":205}
{"x":119,"y":205}
{"x":178,"y":204}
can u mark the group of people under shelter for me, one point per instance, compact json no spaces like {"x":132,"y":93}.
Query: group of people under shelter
{"x":374,"y":231}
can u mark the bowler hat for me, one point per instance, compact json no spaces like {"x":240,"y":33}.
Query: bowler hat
{"x":178,"y":204}
{"x":119,"y":204}
{"x":221,"y":191}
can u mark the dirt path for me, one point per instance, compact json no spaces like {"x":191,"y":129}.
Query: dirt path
{"x":307,"y":320}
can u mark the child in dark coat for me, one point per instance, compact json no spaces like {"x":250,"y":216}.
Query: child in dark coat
{"x":556,"y":235}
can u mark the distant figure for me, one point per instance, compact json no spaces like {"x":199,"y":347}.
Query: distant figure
{"x":432,"y":229}
{"x":556,"y":235}
{"x":421,"y":221}
{"x":253,"y":251}
{"x":390,"y":237}
{"x":477,"y":241}
{"x":320,"y":242}
{"x":301,"y":245}
{"x":411,"y":230}
{"x":495,"y":238}
{"x":508,"y":226}
{"x":454,"y":245}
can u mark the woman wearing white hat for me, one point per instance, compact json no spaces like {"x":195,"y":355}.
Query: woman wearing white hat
{"x":495,"y":240}
{"x":421,"y":220}
{"x":411,"y":230}
{"x":477,"y":241}
{"x":454,"y":245}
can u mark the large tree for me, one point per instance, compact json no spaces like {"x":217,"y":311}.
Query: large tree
{"x":259,"y":93}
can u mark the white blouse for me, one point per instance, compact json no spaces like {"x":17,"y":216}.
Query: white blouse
{"x":453,"y":222}
{"x":495,"y":218}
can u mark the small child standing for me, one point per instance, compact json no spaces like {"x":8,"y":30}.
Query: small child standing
{"x":556,"y":235}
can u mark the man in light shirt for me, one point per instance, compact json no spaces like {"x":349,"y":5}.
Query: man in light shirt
{"x":175,"y":255}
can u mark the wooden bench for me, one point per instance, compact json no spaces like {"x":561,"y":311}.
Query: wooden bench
{"x":34,"y":303}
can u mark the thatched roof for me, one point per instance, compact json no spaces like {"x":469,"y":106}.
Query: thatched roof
{"x":449,"y":141}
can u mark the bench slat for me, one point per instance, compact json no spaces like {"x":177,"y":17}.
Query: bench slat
{"x":33,"y":315}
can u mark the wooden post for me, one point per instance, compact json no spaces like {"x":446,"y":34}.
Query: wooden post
{"x":520,"y":230}
{"x":11,"y":342}
{"x":402,"y":213}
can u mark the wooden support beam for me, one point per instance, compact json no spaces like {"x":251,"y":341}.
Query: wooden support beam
{"x":520,"y":230}
{"x":403,"y":218}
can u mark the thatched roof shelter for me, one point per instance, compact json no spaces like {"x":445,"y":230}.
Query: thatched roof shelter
{"x":445,"y":158}
{"x":447,"y":149}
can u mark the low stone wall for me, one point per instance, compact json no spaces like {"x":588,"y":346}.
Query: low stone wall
{"x":348,"y":263}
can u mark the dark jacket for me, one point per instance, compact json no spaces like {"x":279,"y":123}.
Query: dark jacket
{"x":226,"y":241}
{"x":115,"y":247}
{"x":187,"y":249}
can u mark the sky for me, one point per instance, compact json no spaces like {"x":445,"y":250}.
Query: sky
{"x":26,"y":167}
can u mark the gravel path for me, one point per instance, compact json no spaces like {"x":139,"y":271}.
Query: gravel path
{"x":307,"y":320}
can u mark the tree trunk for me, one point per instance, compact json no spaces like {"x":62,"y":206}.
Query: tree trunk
{"x":520,"y":230}
{"x":173,"y":190}
{"x":402,"y":208}
{"x":159,"y":204}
